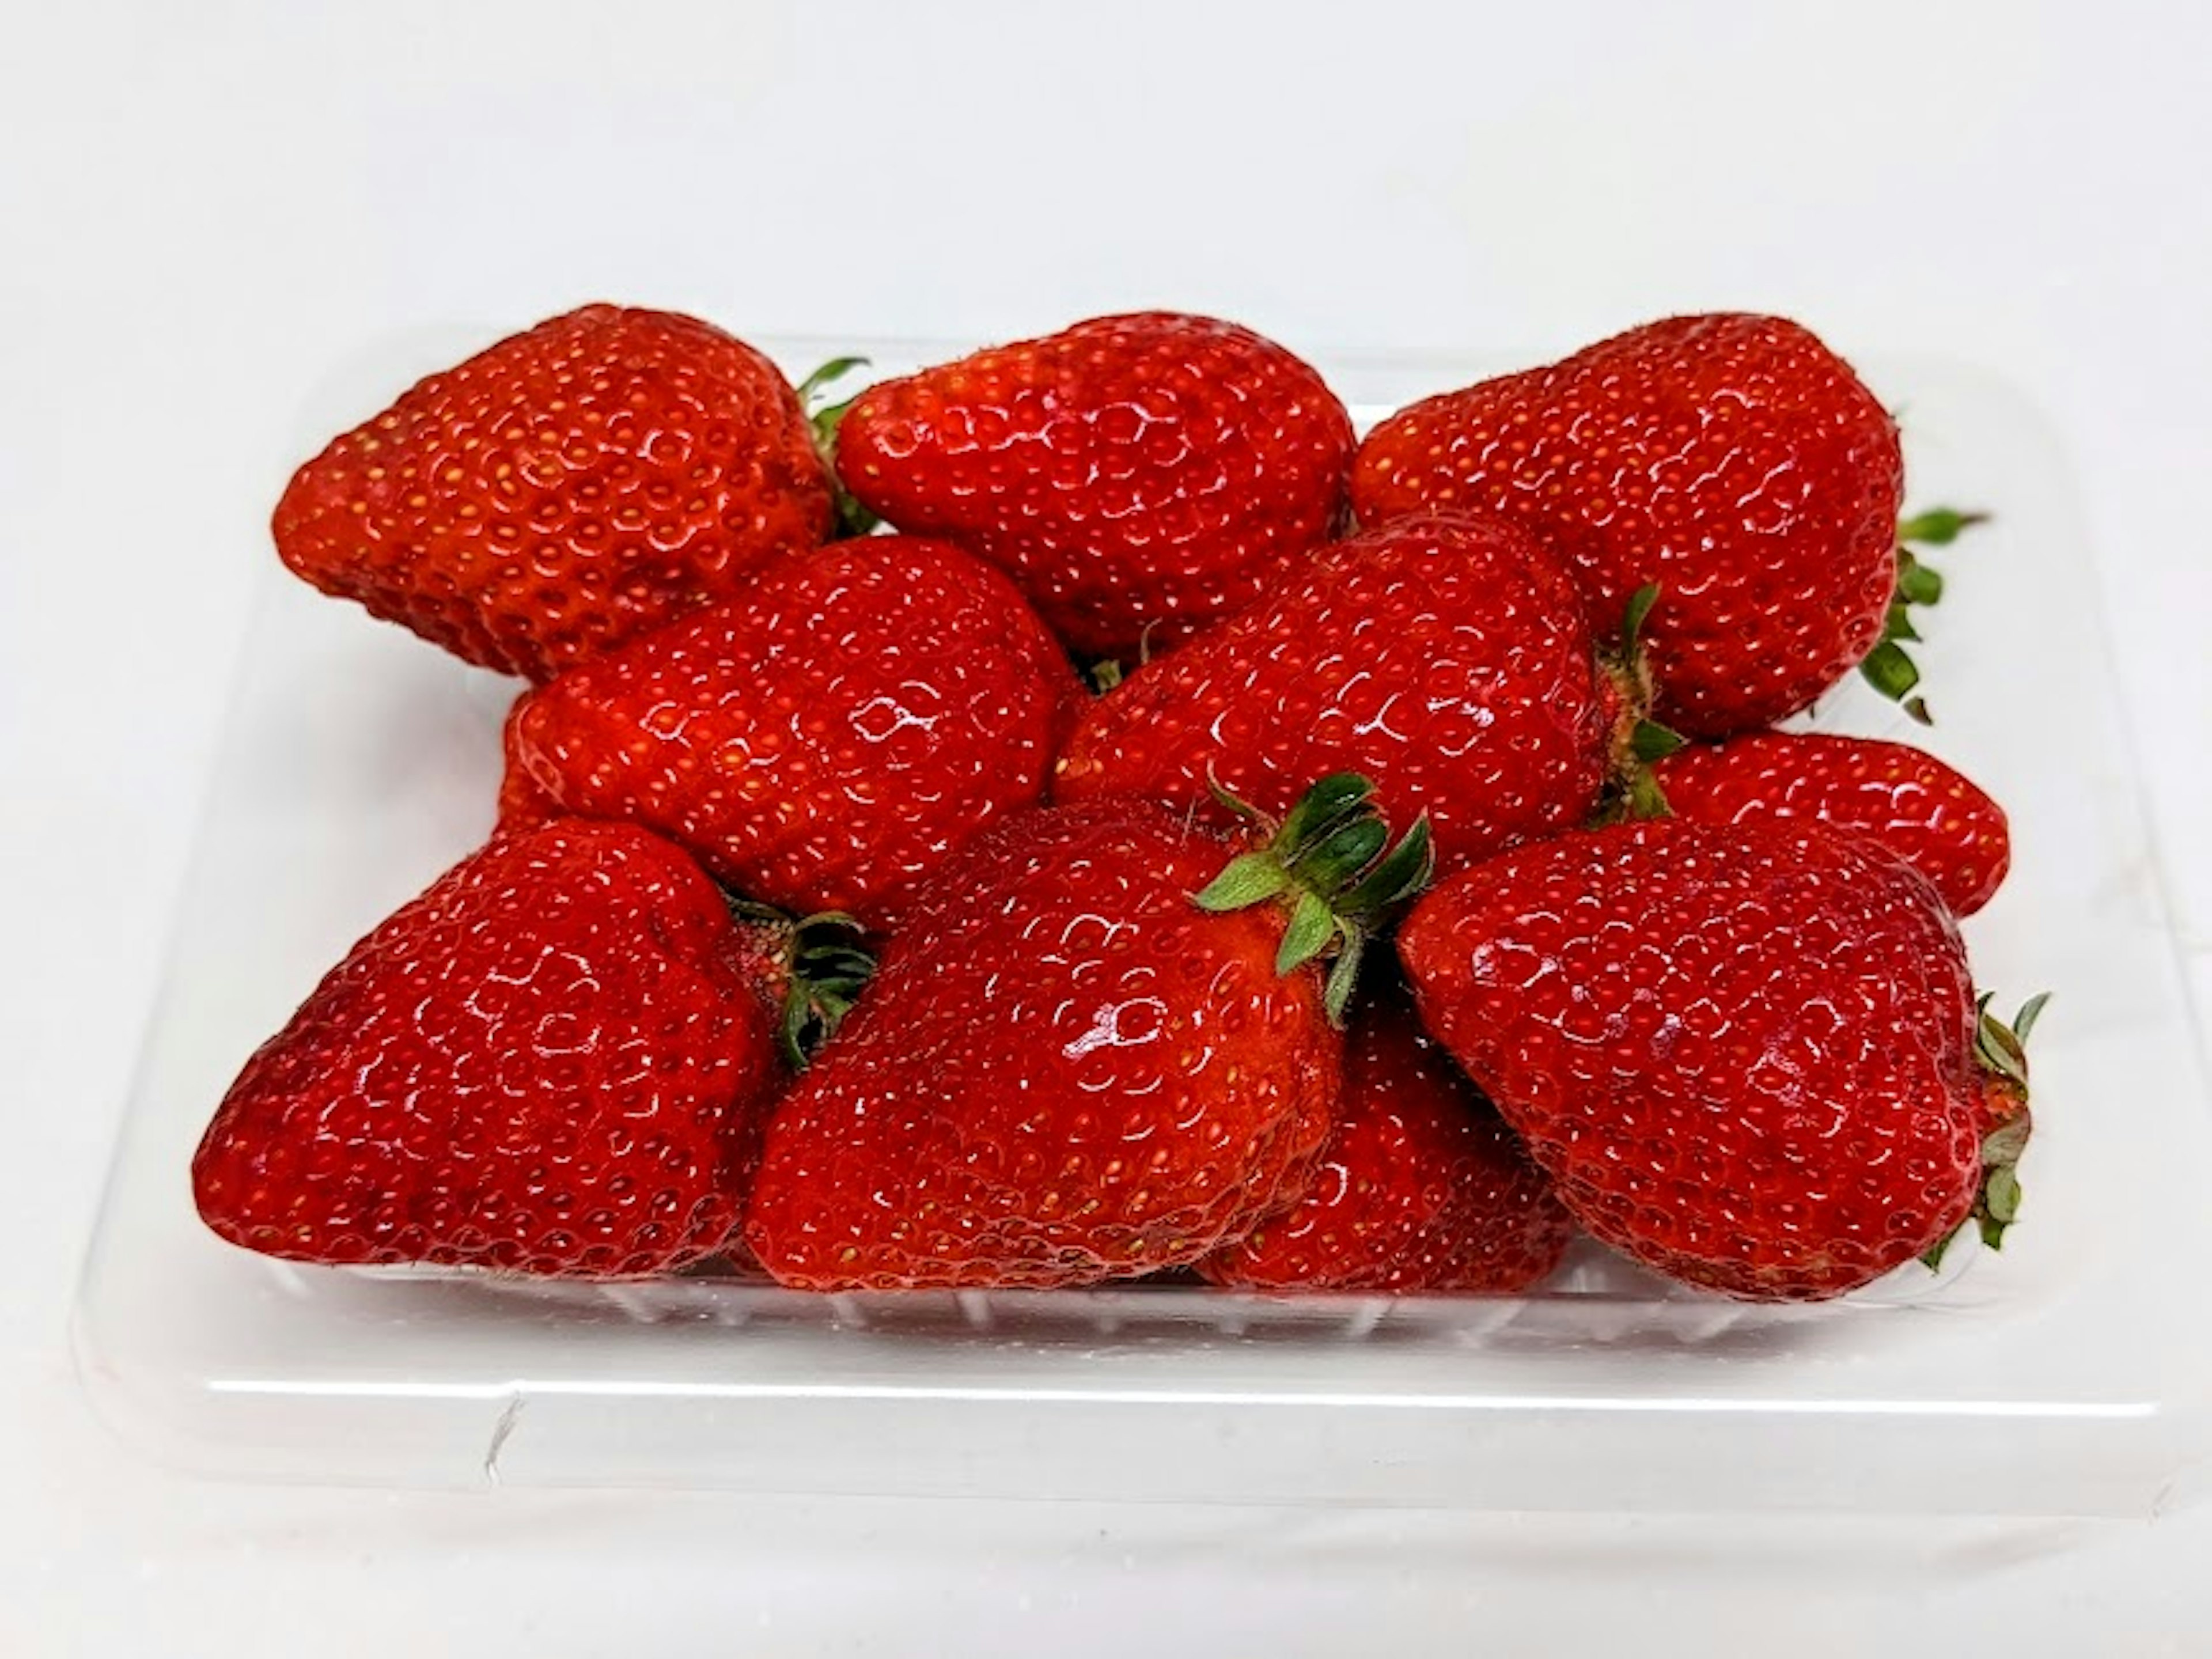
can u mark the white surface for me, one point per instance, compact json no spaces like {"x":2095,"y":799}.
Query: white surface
{"x":206,"y":208}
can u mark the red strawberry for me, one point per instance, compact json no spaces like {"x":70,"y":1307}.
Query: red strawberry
{"x":523,"y":802}
{"x":1733,"y":460}
{"x":1068,"y":1069}
{"x":598,"y":475}
{"x":1422,"y":1187}
{"x":1911,"y":803}
{"x":551,"y":1062}
{"x":1745,"y":1054}
{"x":1139,"y":475}
{"x":825,"y":741}
{"x":1445,"y":656}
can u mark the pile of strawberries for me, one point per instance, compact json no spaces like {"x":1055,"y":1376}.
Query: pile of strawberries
{"x":945,"y":838}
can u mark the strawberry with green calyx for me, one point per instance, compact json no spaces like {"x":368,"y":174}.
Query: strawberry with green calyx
{"x":1327,"y":861}
{"x":1733,"y":457}
{"x":1744,"y":1053}
{"x":1447,"y":656}
{"x":555,"y":1061}
{"x":1069,"y":1068}
{"x":824,"y":960}
{"x":1889,"y":668}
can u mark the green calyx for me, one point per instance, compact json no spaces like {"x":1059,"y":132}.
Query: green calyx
{"x":825,"y":961}
{"x":1638,"y":740}
{"x":1889,"y":667}
{"x":851,"y":519}
{"x":2002,"y":1052}
{"x":2003,"y":1048}
{"x":1330,"y":864}
{"x":829,"y":962}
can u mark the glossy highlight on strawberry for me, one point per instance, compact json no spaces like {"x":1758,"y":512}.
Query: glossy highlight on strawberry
{"x":600,"y":474}
{"x":552,"y":1062}
{"x":1139,"y":475}
{"x":1732,"y":460}
{"x":1446,"y":656}
{"x":822,"y":742}
{"x":1082,"y":1058}
{"x":1744,"y":1054}
{"x":832,"y":934}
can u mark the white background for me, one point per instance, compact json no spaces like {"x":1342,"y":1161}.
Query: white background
{"x":208,"y":213}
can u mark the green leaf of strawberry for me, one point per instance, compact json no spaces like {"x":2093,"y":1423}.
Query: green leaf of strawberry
{"x":1331,"y":862}
{"x":1887,"y":668}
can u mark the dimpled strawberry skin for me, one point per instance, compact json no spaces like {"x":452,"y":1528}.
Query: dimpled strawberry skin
{"x":1063,"y":1072}
{"x":1139,"y":475}
{"x":1421,"y":1187}
{"x":551,"y":1062}
{"x":573,"y":485}
{"x":1743,"y":1054}
{"x":523,"y":802}
{"x":825,"y":741}
{"x":1445,"y":656}
{"x":1733,"y":459}
{"x":1936,"y":820}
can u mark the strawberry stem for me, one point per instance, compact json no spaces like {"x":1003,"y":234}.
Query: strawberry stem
{"x":1642,"y":797}
{"x":1331,"y":863}
{"x":1101,"y":674}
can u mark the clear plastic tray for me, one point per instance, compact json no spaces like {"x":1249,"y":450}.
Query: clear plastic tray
{"x":2066,"y":1377}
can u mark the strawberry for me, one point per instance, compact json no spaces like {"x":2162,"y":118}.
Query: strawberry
{"x":553,"y":1062}
{"x":600,"y":475}
{"x":1445,"y":656}
{"x":523,"y":802}
{"x":1093,"y":1052}
{"x":1733,"y":460}
{"x":1138,"y":476}
{"x":1422,"y":1187}
{"x":822,"y":742}
{"x":1745,"y":1054}
{"x":1924,"y":812}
